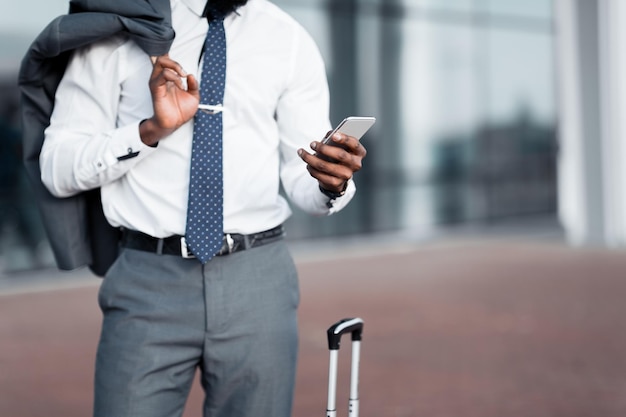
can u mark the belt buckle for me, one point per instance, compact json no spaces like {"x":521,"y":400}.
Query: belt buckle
{"x":184,"y":249}
{"x":230,"y":242}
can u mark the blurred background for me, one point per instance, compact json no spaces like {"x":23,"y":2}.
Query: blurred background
{"x":492,"y":203}
{"x":465,"y":96}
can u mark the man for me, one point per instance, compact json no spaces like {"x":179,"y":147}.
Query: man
{"x":130,"y":125}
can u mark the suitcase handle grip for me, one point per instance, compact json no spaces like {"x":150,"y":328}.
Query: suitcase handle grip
{"x":353,"y":325}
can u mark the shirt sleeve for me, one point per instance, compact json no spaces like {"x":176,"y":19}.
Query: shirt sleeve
{"x":302,"y":115}
{"x":84,"y":148}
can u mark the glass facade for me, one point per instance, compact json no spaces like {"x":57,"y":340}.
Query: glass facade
{"x":463,"y":91}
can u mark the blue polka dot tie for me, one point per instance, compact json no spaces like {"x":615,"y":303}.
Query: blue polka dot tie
{"x":205,"y":225}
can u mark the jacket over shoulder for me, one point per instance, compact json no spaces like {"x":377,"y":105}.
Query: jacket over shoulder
{"x":76,"y":227}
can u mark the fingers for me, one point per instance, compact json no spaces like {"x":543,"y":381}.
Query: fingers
{"x":166,"y":70}
{"x":164,"y":61}
{"x":334,"y":164}
{"x":331,"y":182}
{"x":342,"y":149}
{"x":193,"y":85}
{"x":349,"y":143}
{"x":175,"y":94}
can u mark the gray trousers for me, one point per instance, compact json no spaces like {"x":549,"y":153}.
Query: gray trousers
{"x":165,"y":317}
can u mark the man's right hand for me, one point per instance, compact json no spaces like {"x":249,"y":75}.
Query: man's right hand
{"x":173,"y":104}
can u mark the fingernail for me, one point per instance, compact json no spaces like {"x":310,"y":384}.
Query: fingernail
{"x":300,"y":152}
{"x":313,"y":145}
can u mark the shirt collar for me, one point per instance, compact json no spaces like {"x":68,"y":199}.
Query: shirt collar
{"x":197,"y":6}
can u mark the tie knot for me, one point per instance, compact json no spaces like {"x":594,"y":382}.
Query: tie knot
{"x":213,"y":15}
{"x":215,"y":19}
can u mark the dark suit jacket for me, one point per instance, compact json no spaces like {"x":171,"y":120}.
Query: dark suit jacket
{"x":77,"y":230}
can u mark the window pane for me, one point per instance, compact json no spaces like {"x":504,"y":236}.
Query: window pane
{"x":519,"y":75}
{"x":526,"y":8}
{"x":453,"y":5}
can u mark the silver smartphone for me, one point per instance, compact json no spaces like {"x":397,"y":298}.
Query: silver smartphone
{"x":352,"y":126}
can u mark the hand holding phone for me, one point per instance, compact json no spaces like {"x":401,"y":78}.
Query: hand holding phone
{"x":352,"y":126}
{"x":333,"y":177}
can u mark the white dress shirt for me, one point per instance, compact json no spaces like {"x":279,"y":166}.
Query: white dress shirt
{"x":276,"y":101}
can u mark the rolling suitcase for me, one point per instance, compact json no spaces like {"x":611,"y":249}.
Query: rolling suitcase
{"x":354,"y":326}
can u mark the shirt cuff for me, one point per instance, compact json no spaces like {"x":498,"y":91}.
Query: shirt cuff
{"x":338,"y":203}
{"x":123,"y":144}
{"x":126,"y":144}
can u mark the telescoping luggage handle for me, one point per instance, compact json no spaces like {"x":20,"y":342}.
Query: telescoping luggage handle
{"x":355,"y":327}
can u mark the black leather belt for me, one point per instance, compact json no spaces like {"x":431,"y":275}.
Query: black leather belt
{"x":176,"y":245}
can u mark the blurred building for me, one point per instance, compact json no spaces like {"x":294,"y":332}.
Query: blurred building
{"x":592,"y":100}
{"x":464,"y":92}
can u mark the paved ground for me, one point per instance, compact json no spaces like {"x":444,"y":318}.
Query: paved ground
{"x":471,"y":328}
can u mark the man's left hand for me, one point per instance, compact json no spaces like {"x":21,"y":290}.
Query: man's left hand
{"x":334,"y":163}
